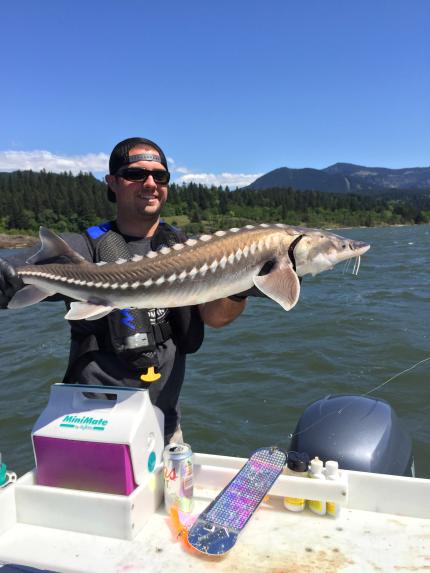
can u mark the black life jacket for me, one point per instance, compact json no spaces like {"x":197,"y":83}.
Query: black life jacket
{"x":130,"y":333}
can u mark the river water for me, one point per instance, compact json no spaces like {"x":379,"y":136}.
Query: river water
{"x":249,"y":383}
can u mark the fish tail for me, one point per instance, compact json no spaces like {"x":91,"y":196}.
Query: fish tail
{"x":53,"y":247}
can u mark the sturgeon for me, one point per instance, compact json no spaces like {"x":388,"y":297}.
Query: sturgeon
{"x":200,"y":270}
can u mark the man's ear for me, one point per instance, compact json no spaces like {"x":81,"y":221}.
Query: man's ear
{"x":111,"y":183}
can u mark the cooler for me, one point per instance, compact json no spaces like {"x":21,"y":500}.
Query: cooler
{"x":98,"y":444}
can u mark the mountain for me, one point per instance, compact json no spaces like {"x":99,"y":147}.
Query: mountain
{"x":346,"y":178}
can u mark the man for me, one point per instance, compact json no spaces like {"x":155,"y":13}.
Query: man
{"x":137,"y":348}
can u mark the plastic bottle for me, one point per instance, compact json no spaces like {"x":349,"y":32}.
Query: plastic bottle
{"x":316,"y":472}
{"x":332,"y":473}
{"x":3,"y":475}
{"x":297,"y":465}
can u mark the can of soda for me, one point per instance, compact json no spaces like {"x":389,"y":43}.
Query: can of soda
{"x":178,"y":477}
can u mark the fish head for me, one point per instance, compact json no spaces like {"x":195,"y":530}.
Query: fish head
{"x":318,"y":251}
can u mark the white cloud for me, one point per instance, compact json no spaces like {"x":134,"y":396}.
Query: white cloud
{"x":182,"y":170}
{"x":233,"y":180}
{"x":37,"y":160}
{"x":40,"y":159}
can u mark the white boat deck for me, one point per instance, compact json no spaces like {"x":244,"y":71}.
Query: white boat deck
{"x":384,"y":526}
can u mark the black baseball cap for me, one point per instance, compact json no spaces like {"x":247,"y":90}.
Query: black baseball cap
{"x":120,"y":157}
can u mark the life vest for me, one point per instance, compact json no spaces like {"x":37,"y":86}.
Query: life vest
{"x":130,"y":333}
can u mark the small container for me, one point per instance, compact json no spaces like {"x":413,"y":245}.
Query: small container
{"x":3,"y":476}
{"x":316,"y":472}
{"x":93,"y":444}
{"x":332,"y":473}
{"x":297,"y":465}
{"x":178,"y":477}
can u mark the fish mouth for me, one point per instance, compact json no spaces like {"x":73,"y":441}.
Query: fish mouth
{"x":359,"y":248}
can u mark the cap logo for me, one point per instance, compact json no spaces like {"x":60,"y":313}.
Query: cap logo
{"x":144,"y":157}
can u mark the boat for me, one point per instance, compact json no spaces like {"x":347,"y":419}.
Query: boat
{"x":383,"y":523}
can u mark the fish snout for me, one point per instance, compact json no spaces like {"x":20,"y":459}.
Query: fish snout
{"x":359,"y":247}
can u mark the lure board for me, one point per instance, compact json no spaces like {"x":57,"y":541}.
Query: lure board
{"x":216,"y":529}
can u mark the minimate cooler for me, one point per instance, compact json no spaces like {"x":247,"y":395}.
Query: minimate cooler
{"x":98,"y":444}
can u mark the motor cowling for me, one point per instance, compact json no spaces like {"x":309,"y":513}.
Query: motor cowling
{"x":361,"y":433}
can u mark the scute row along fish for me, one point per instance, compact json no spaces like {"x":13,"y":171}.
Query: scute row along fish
{"x":200,"y":270}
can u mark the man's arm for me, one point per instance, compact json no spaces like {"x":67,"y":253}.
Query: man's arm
{"x":221,"y":312}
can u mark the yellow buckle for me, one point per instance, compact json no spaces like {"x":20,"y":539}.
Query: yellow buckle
{"x":150,"y":375}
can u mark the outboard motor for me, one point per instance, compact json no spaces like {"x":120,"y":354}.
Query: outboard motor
{"x":361,"y":433}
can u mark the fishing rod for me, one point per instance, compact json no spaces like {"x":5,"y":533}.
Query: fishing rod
{"x":341,"y":410}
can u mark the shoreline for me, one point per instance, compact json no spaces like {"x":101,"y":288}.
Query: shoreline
{"x":21,"y":240}
{"x":17,"y":241}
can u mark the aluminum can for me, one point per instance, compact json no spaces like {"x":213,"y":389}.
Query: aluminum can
{"x":178,"y":477}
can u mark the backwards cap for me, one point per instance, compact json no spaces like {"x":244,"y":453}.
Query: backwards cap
{"x":120,"y":156}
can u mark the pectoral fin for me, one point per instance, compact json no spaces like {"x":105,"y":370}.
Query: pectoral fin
{"x":28,"y":295}
{"x":281,"y":284}
{"x":87,"y":311}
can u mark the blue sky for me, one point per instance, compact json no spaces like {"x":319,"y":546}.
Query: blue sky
{"x":229,"y":89}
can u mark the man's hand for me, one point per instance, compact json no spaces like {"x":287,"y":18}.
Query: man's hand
{"x":10,"y":283}
{"x":253,"y":291}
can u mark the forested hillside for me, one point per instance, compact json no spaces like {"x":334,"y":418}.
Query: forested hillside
{"x":347,"y":178}
{"x":71,"y":203}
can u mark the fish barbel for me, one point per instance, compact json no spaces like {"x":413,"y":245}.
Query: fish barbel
{"x":200,"y":270}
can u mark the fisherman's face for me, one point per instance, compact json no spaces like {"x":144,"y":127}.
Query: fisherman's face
{"x":143,"y":199}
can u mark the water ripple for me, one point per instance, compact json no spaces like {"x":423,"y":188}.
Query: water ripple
{"x":249,"y":383}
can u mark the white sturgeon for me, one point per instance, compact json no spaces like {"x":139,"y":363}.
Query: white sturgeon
{"x":200,"y":270}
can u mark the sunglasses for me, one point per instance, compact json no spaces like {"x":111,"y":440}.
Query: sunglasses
{"x":141,"y":174}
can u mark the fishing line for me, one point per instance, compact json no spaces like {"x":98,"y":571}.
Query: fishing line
{"x":292,"y":435}
{"x":397,"y":375}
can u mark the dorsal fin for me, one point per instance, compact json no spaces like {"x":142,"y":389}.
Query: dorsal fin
{"x":52,"y":247}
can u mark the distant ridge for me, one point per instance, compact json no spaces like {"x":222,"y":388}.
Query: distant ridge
{"x":346,"y":178}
